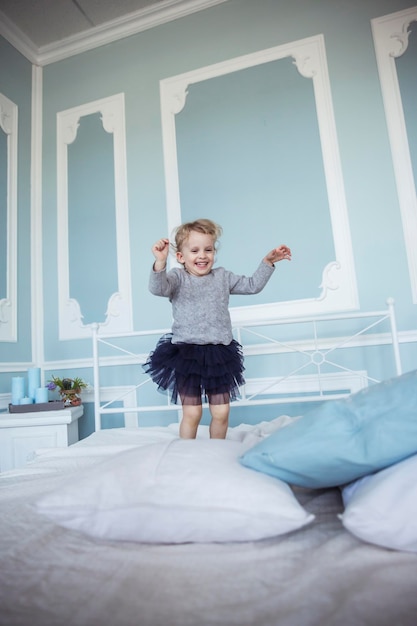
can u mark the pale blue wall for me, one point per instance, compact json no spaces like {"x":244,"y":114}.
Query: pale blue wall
{"x":91,"y":198}
{"x":16,"y":84}
{"x":407,"y":78}
{"x":3,"y":214}
{"x":137,"y":64}
{"x":249,"y":155}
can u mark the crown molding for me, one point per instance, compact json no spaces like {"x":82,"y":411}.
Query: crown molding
{"x":120,"y":28}
{"x":17,"y":39}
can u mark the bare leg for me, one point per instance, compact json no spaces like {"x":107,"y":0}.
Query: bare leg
{"x":219,"y":420}
{"x":191,"y":416}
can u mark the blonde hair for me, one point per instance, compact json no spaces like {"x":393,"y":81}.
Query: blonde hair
{"x":207,"y":227}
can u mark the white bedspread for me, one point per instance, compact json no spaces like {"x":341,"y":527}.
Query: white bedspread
{"x":319,"y":575}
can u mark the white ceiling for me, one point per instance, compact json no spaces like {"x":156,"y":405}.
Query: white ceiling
{"x":49,"y":30}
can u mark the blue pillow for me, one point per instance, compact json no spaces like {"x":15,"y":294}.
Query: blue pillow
{"x":342,"y":440}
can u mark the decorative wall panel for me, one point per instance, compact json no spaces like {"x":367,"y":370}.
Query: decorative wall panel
{"x":335,"y":287}
{"x":393,"y":35}
{"x":92,"y":201}
{"x":8,"y":219}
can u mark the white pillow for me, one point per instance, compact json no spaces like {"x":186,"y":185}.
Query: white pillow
{"x":382,"y":508}
{"x":176,"y":492}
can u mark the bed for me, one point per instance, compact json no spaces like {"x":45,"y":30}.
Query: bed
{"x":133,"y":526}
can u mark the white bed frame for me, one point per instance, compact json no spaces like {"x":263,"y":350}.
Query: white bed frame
{"x":320,"y":375}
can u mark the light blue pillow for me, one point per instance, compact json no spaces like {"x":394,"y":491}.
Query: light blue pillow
{"x":342,"y":440}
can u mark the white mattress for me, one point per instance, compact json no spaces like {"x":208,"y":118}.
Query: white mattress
{"x":319,"y":575}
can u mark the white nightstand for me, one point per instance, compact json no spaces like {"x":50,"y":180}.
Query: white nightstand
{"x":23,"y":433}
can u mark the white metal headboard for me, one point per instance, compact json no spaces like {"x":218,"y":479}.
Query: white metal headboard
{"x":319,"y":374}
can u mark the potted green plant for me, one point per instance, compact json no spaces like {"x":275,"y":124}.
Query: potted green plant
{"x":68,"y":388}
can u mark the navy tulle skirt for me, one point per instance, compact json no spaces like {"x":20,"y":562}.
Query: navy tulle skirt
{"x":213,"y":371}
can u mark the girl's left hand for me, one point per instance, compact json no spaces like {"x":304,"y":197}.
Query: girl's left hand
{"x":278,"y":254}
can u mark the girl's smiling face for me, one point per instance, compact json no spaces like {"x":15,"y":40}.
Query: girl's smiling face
{"x":197,"y":253}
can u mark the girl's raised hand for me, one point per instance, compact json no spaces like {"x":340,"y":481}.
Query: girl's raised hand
{"x":278,"y":254}
{"x":160,"y":250}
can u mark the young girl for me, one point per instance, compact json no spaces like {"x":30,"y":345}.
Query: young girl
{"x":200,"y":358}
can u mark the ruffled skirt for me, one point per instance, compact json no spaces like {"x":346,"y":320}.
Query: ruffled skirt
{"x":213,"y":371}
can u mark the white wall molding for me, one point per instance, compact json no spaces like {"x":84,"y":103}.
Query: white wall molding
{"x":5,"y":399}
{"x":119,"y":308}
{"x":404,"y":338}
{"x":307,"y":384}
{"x":338,"y":286}
{"x":8,"y":305}
{"x":17,"y":39}
{"x":390,"y":34}
{"x":12,"y":367}
{"x":36,"y":252}
{"x":131,"y":24}
{"x":125,"y":394}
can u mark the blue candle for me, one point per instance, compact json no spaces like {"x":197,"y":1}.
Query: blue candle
{"x":26,"y":401}
{"x":34,"y":381}
{"x":41,"y":395}
{"x":18,"y":389}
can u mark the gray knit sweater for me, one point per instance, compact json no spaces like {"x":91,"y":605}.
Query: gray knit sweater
{"x":200,"y":304}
